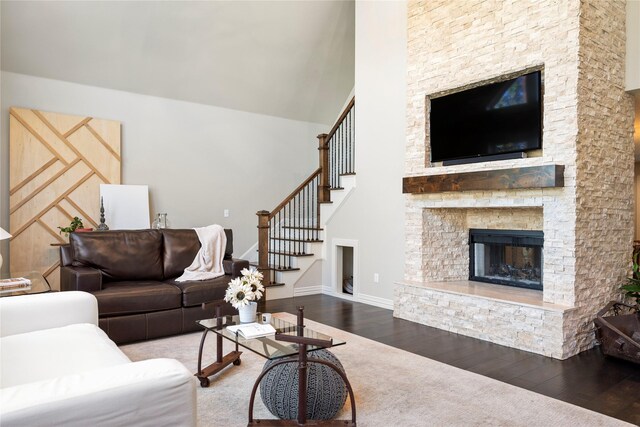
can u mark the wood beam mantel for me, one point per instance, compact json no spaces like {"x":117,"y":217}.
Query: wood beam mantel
{"x":547,"y":176}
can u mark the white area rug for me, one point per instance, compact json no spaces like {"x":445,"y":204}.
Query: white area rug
{"x":392,"y":387}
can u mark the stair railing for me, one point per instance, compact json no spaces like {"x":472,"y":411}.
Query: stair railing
{"x":285,"y":231}
{"x":340,"y":147}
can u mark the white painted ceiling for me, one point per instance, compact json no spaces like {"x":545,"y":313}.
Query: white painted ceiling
{"x":292,"y":59}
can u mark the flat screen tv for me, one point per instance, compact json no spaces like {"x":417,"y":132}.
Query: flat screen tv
{"x":489,"y":120}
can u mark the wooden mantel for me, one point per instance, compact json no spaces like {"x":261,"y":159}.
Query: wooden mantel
{"x":546,"y":176}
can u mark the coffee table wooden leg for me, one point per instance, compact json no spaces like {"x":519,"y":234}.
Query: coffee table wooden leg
{"x":220,"y":363}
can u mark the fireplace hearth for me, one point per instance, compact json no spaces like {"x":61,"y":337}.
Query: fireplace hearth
{"x":506,"y":257}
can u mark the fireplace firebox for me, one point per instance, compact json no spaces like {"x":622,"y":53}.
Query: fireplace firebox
{"x":506,"y":257}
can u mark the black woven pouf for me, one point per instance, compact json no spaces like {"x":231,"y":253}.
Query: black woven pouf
{"x":326,"y":391}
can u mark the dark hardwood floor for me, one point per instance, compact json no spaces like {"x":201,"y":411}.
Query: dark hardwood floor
{"x":590,"y":380}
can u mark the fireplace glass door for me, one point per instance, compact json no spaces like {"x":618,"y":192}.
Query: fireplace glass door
{"x":506,"y":257}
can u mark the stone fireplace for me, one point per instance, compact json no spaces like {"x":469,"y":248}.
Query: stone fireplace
{"x":506,"y":257}
{"x":585,"y":216}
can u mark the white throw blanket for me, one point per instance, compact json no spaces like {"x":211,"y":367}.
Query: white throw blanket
{"x":208,"y":261}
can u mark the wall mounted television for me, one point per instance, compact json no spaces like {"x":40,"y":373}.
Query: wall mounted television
{"x":487,"y":122}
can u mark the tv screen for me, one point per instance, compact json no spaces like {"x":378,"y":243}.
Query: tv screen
{"x":498,"y":118}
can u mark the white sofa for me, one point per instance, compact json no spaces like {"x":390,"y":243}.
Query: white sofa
{"x":57,"y":368}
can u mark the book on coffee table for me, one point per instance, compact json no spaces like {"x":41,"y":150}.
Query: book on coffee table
{"x":15,"y":284}
{"x":253,"y":330}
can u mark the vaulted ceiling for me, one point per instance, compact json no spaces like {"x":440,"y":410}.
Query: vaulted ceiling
{"x":292,"y":59}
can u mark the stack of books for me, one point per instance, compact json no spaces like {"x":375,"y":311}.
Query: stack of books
{"x":14,"y":284}
{"x":252,"y":330}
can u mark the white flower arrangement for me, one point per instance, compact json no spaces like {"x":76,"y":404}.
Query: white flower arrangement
{"x":245,"y":289}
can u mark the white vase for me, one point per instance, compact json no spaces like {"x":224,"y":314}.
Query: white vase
{"x":248,"y":312}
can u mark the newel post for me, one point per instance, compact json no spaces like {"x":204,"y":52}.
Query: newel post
{"x":324,"y":195}
{"x":263,"y":247}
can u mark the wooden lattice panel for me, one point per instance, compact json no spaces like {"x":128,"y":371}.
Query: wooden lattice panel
{"x":57,"y":163}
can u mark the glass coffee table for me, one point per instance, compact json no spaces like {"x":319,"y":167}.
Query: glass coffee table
{"x":267,"y":347}
{"x":38,"y":283}
{"x":290,"y":339}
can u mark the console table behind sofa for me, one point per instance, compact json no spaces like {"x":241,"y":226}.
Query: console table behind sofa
{"x":132,"y":274}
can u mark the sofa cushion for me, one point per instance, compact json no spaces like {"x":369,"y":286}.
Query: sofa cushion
{"x":181,"y":247}
{"x":52,"y":353}
{"x":228,"y":252}
{"x":197,"y":292}
{"x":118,"y":298}
{"x":120,"y":255}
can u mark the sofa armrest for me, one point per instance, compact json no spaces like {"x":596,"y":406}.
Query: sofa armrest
{"x":80,"y":279}
{"x":156,"y":392}
{"x":234,"y":266}
{"x":35,"y":312}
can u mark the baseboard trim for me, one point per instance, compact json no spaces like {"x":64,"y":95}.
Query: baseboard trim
{"x":377,"y":301}
{"x":365,"y":299}
{"x":307,"y":290}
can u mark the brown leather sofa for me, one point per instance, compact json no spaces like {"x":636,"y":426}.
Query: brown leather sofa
{"x":132,"y":274}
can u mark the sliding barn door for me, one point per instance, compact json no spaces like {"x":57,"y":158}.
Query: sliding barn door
{"x":57,"y":163}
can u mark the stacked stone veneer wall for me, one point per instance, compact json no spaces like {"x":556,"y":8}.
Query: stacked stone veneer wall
{"x":605,"y":164}
{"x":522,"y":326}
{"x":587,"y":120}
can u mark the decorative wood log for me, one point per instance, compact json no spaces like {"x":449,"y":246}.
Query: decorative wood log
{"x":547,"y":176}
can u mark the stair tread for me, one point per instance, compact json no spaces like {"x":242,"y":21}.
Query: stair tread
{"x":272,"y":267}
{"x":302,"y":228}
{"x":285,"y":268}
{"x":301,"y":240}
{"x":296,"y":240}
{"x":288,"y":253}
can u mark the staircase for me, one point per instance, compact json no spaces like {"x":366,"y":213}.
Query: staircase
{"x":290,"y":237}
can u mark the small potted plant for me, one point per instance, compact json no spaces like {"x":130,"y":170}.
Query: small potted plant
{"x":75,"y":225}
{"x":631,"y":289}
{"x":244,"y":292}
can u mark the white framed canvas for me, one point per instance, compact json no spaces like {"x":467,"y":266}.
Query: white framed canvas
{"x":126,"y":207}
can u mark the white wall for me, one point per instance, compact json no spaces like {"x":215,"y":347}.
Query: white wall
{"x":373,"y":215}
{"x":197,"y":159}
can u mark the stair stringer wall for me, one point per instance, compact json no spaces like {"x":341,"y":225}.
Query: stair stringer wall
{"x":303,"y":281}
